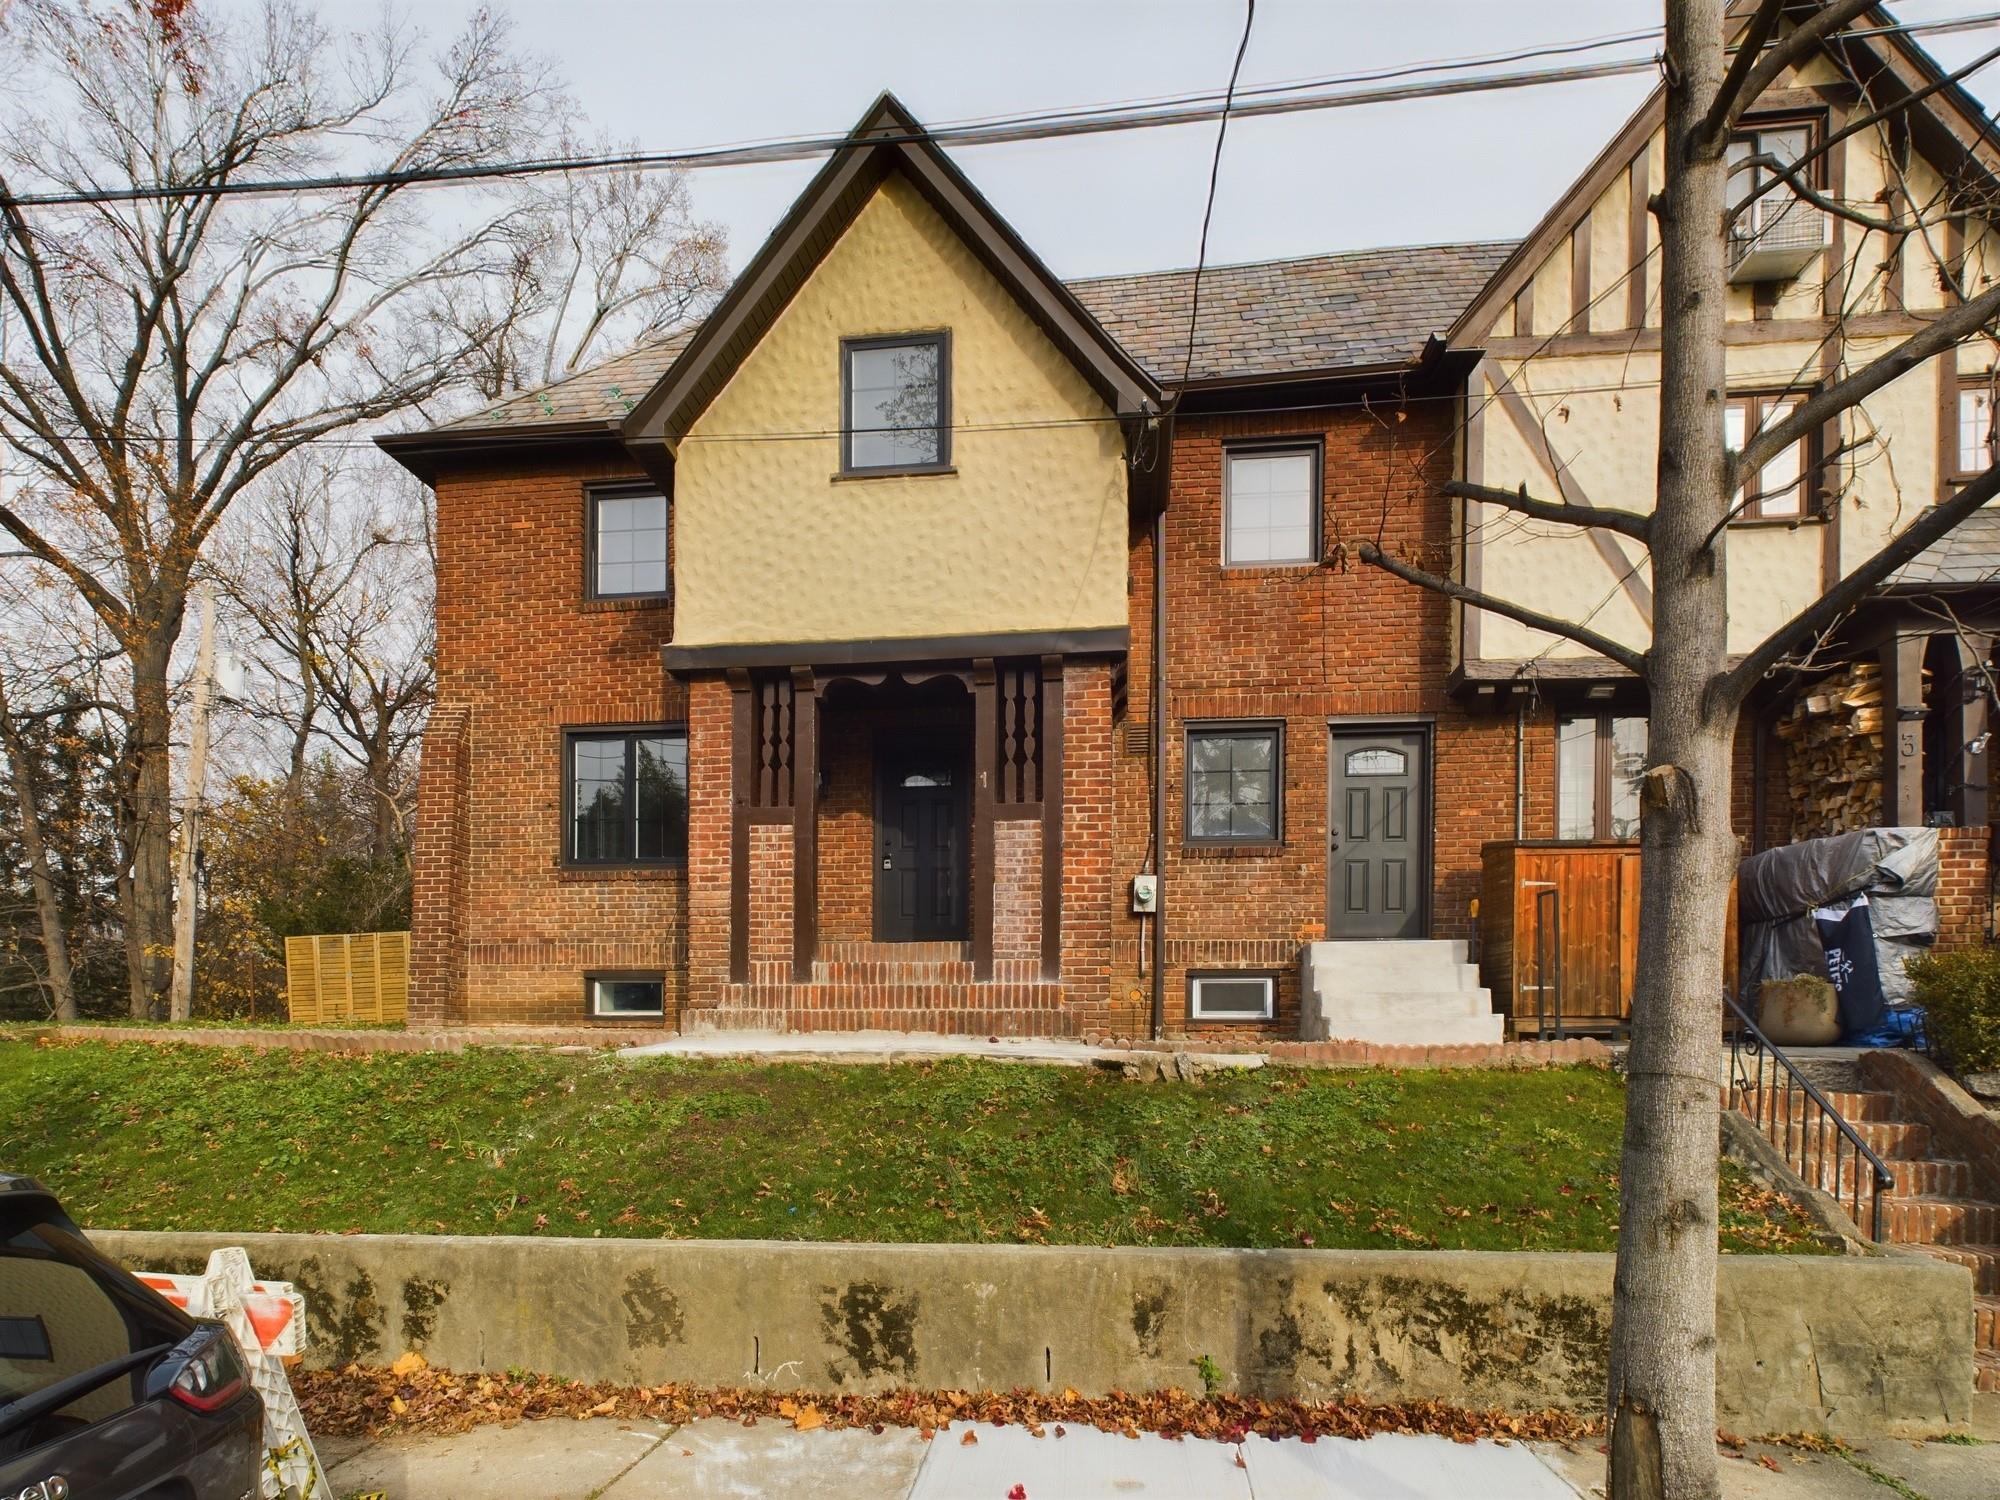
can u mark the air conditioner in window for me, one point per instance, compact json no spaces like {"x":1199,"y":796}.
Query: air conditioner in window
{"x":1777,"y":237}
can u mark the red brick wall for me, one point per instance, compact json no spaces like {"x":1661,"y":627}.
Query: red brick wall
{"x":521,"y":656}
{"x":1964,"y":895}
{"x":1306,"y":645}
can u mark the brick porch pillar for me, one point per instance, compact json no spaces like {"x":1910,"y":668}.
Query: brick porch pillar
{"x":711,"y":796}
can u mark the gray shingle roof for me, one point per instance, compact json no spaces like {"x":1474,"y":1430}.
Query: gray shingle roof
{"x":1271,"y":317}
{"x":1969,"y":554}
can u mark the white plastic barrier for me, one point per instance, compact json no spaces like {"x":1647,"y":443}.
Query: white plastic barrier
{"x":268,"y":1319}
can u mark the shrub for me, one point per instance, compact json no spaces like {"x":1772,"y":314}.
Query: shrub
{"x":1960,"y":994}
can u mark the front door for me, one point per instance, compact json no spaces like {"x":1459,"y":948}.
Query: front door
{"x":1378,"y":833}
{"x":922,"y":852}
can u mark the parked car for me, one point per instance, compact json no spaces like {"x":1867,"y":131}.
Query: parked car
{"x":107,"y":1390}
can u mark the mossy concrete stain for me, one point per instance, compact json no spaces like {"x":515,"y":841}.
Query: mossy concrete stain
{"x":422,"y":1297}
{"x":874,"y":1327}
{"x":653,"y":1317}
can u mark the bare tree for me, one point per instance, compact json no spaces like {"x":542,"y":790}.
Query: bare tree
{"x":21,"y":773}
{"x":1662,"y":1391}
{"x":333,"y":567}
{"x":607,"y":259}
{"x":166,"y":351}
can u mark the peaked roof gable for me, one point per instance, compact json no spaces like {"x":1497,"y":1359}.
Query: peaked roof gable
{"x":887,"y":139}
{"x":1951,"y":129}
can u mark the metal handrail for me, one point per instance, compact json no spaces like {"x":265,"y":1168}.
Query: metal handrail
{"x":1806,"y":1122}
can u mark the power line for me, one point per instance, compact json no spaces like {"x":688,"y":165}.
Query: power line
{"x":1208,"y":208}
{"x":998,"y":130}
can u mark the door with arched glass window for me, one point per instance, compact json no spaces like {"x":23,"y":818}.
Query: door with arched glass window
{"x":1378,"y":833}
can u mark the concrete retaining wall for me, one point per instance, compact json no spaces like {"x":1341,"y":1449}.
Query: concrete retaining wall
{"x":1808,"y":1343}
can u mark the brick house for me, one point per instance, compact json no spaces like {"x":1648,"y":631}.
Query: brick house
{"x":798,"y":671}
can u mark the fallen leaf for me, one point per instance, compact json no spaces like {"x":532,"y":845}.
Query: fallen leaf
{"x":788,"y":1408}
{"x":808,"y":1418}
{"x":1239,"y":1461}
{"x":969,"y":1439}
{"x":398,"y":1405}
{"x":1766,"y":1461}
{"x":408,"y":1363}
{"x":1019,"y":1492}
{"x":605,"y":1407}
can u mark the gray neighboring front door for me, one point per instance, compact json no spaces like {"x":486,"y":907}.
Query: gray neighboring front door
{"x":1378,"y":833}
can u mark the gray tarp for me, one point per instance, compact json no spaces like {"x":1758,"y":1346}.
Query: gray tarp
{"x":1777,"y":890}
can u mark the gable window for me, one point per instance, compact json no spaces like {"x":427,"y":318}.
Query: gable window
{"x":626,"y":792}
{"x":1234,"y":780}
{"x":615,"y":997}
{"x":1975,"y":429}
{"x":1270,"y":505}
{"x":1785,"y":141}
{"x":627,"y":543}
{"x":1599,"y":760}
{"x":1778,"y":490}
{"x":896,"y":395}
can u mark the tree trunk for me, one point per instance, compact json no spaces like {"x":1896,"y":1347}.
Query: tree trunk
{"x":48,"y":910}
{"x":148,"y":830}
{"x":1662,"y":1395}
{"x":381,"y":773}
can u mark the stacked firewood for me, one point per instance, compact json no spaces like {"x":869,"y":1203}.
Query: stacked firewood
{"x":1833,"y":740}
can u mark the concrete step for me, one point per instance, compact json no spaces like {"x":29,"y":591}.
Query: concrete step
{"x":1406,"y":1005}
{"x":1452,"y":1032}
{"x":1983,"y":1261}
{"x":1942,"y":1221}
{"x":1401,"y":950}
{"x":1334,"y":979}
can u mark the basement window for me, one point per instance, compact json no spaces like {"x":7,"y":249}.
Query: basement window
{"x":1232,"y":997}
{"x":615,"y":997}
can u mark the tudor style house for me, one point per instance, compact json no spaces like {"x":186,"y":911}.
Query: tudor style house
{"x":925,"y":643}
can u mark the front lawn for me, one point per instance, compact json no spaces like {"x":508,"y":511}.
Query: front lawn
{"x":142,"y":1136}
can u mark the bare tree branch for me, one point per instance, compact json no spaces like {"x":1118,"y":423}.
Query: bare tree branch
{"x":1625,"y":656}
{"x":1745,"y":83}
{"x":1562,"y":512}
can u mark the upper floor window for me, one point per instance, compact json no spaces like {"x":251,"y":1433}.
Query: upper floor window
{"x":1975,"y":428}
{"x":1777,"y":491}
{"x":896,"y":395}
{"x":628,"y":543}
{"x":1270,"y":504}
{"x":1599,"y":760}
{"x":1234,"y":777}
{"x":1752,"y":149}
{"x":626,"y":791}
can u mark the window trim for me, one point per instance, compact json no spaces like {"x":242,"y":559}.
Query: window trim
{"x":1314,"y":446}
{"x":1977,"y":380}
{"x":1600,"y":786}
{"x":622,"y":489}
{"x":1192,"y":727}
{"x":566,"y":830}
{"x":1751,"y":500}
{"x":592,"y":977}
{"x":1194,"y":981}
{"x":941,"y":338}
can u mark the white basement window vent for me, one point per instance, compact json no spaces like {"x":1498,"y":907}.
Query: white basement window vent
{"x":1233,"y":997}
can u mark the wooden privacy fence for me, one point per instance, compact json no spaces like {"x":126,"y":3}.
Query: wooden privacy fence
{"x":1559,"y":923}
{"x":348,"y":976}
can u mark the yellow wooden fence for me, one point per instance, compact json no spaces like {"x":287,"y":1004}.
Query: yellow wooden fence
{"x":348,"y":976}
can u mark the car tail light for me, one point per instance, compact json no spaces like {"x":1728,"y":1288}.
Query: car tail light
{"x":213,"y":1376}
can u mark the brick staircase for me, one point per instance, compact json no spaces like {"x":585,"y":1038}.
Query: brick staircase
{"x":1932,"y":1206}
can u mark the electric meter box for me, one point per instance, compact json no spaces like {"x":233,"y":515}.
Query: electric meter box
{"x":1145,"y":895}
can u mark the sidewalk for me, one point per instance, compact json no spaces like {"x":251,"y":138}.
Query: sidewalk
{"x":721,"y":1460}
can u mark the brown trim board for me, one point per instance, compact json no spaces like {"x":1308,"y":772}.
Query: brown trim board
{"x":1112,"y":640}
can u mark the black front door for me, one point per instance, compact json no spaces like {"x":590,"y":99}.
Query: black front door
{"x":921,"y":845}
{"x":1378,"y":826}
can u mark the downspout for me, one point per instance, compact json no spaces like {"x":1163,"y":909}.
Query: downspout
{"x":1160,"y":769}
{"x":1520,"y":770}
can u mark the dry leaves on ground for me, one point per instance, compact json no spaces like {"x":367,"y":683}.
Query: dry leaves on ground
{"x":412,"y":1396}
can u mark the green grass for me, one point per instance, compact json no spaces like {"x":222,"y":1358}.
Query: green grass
{"x":526,"y":1142}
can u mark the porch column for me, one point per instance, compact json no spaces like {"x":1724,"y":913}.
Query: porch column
{"x":739,"y":826}
{"x":1973,"y":718}
{"x":1052,"y":816}
{"x":1903,"y":729}
{"x":805,"y":823}
{"x":985,"y":762}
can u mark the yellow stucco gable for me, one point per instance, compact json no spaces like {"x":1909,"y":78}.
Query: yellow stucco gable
{"x":1027,"y":534}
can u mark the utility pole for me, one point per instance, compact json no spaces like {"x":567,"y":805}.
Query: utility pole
{"x":180,"y":1004}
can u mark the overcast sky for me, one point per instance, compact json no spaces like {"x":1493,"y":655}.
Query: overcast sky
{"x":675,"y":74}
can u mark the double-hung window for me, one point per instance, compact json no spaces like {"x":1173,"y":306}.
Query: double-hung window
{"x":1976,"y":453}
{"x":626,"y":795}
{"x":1751,"y":152}
{"x":1235,"y":778}
{"x":1599,"y":760}
{"x":896,"y":399}
{"x":1271,"y":504}
{"x":627,"y":552}
{"x":1779,"y":490}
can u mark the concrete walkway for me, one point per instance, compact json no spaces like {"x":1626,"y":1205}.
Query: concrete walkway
{"x":722,"y":1460}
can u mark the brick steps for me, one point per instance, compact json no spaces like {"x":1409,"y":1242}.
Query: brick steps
{"x":1986,"y":1323}
{"x":1985,"y":1370}
{"x":1854,"y":1106}
{"x":1983,"y":1261}
{"x":1942,"y":1221}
